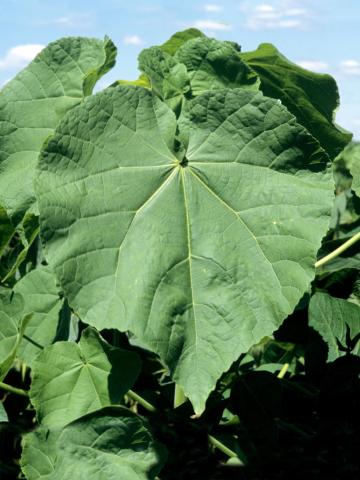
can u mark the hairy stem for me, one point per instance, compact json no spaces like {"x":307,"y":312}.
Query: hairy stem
{"x":338,"y":251}
{"x":11,"y":389}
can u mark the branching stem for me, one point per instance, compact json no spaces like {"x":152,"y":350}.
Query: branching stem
{"x":150,"y":408}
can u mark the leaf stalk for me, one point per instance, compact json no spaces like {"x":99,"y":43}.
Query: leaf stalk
{"x":338,"y":251}
{"x":11,"y":389}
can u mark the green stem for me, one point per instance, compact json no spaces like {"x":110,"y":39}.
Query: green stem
{"x":283,"y":371}
{"x":150,"y":408}
{"x":11,"y":389}
{"x":144,"y":403}
{"x":338,"y":251}
{"x":223,"y":448}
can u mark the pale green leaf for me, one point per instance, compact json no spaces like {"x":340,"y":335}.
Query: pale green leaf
{"x":70,"y":380}
{"x":200,"y":256}
{"x":12,"y":327}
{"x":332,"y":318}
{"x":312,"y":97}
{"x":32,"y":104}
{"x":41,"y":297}
{"x":112,"y":443}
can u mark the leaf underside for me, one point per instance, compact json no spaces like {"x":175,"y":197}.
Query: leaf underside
{"x":199,"y":256}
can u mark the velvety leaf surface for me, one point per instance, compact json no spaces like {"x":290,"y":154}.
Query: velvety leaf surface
{"x":169,"y":79}
{"x":70,"y":380}
{"x":201,"y":255}
{"x":41,"y":297}
{"x":39,"y":454}
{"x":213,"y":65}
{"x":112,"y":443}
{"x":179,"y":38}
{"x":335,"y":319}
{"x":12,"y":326}
{"x":32,"y":104}
{"x":312,"y":97}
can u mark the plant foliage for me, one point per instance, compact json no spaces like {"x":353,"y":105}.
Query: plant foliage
{"x":187,"y":239}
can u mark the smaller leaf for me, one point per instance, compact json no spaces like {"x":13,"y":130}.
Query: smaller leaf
{"x":70,"y":380}
{"x":169,"y":79}
{"x":179,"y":38}
{"x":12,"y":327}
{"x":42,"y":297}
{"x":214,"y":65}
{"x":112,"y":443}
{"x":332,"y":317}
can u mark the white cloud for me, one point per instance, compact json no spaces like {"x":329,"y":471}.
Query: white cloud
{"x":19,"y":56}
{"x":350,"y":67}
{"x":83,"y":20}
{"x":211,"y":25}
{"x":314,"y":65}
{"x":280,"y":15}
{"x":132,"y":40}
{"x":212,"y":8}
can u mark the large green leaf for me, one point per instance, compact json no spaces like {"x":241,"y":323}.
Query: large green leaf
{"x":312,"y":97}
{"x":70,"y":380}
{"x":42,"y":298}
{"x":335,"y":319}
{"x":199,"y":256}
{"x":12,"y":327}
{"x":112,"y":443}
{"x":32,"y":104}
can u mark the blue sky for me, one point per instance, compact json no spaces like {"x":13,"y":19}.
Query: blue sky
{"x":322,"y":35}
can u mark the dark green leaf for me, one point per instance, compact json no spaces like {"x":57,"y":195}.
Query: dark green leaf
{"x":312,"y":97}
{"x":112,"y":443}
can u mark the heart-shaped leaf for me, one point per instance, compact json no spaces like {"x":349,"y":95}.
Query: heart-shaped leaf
{"x":70,"y":380}
{"x":200,"y":253}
